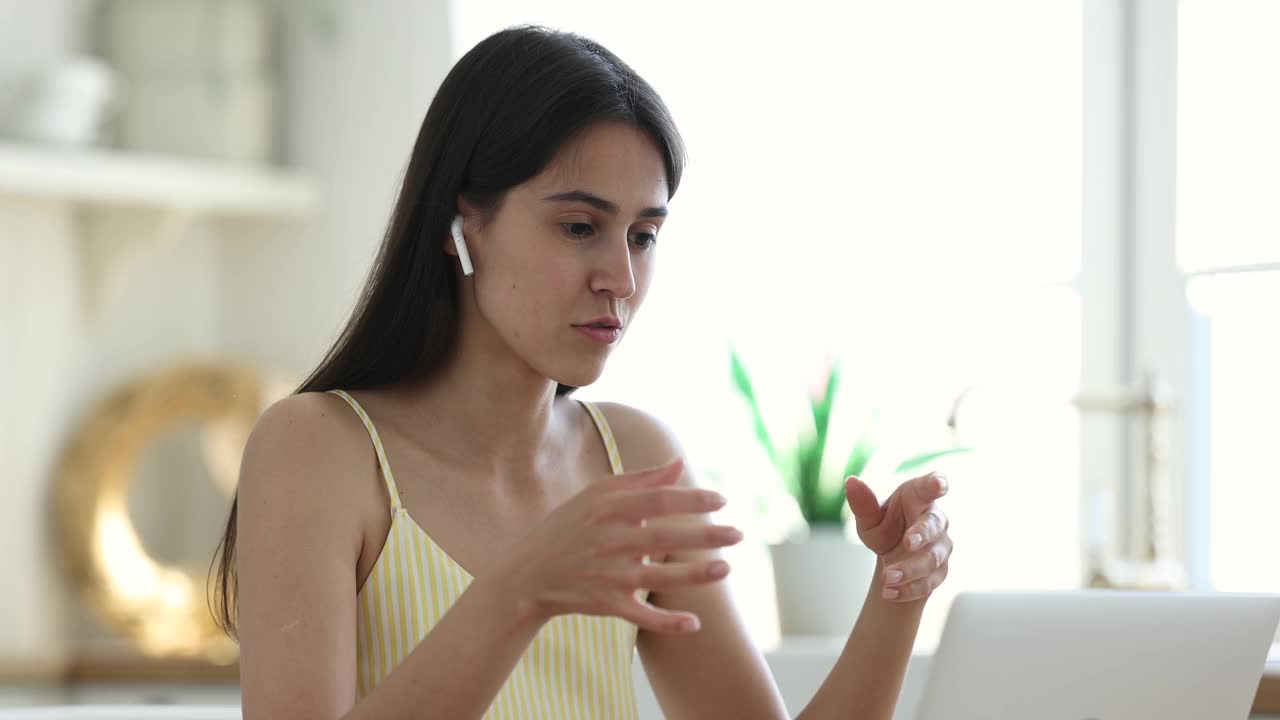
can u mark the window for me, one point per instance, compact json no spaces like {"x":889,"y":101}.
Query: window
{"x":895,"y":183}
{"x":1228,"y":250}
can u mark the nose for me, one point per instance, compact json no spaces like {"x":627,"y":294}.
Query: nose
{"x":612,"y":271}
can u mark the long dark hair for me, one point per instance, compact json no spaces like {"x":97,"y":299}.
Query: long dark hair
{"x":500,"y":115}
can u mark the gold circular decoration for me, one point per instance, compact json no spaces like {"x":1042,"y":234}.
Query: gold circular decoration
{"x":162,"y":608}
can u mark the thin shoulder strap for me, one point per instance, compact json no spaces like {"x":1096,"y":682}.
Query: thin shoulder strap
{"x":606,"y":435}
{"x":387,"y":477}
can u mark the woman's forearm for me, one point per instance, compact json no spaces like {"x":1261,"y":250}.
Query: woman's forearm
{"x":458,"y":669}
{"x":866,"y":680}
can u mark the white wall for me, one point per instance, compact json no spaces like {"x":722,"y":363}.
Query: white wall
{"x":355,"y":102}
{"x":38,"y":321}
{"x":37,"y":352}
{"x":273,"y":294}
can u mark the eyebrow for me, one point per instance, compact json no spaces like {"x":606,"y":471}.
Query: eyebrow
{"x":600,"y":203}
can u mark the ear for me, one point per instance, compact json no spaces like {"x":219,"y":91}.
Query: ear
{"x":449,"y":247}
{"x":469,"y":213}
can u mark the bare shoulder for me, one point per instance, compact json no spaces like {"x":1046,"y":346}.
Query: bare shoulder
{"x":305,"y":431}
{"x":302,"y":454}
{"x":305,"y":416}
{"x":644,"y":441}
{"x":302,"y":513}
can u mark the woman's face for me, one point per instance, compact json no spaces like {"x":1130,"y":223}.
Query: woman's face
{"x":563,"y":265}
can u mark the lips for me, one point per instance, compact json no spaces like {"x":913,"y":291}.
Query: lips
{"x":604,"y":330}
{"x":604,"y":323}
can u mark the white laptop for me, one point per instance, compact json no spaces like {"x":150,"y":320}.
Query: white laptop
{"x":1100,"y":655}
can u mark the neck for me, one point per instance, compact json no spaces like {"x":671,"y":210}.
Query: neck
{"x":488,"y":410}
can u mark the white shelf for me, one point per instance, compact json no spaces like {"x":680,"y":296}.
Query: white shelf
{"x":109,"y":177}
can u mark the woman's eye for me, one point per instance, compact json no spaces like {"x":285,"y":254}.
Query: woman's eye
{"x":578,"y":229}
{"x":644,"y":241}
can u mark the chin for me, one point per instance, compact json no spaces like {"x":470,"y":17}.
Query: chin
{"x":580,"y":376}
{"x":577,"y":380}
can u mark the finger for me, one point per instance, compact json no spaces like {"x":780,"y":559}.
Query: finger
{"x":669,"y":576}
{"x":654,"y":619}
{"x":657,"y":502}
{"x":659,"y":476}
{"x":917,"y":590}
{"x":919,"y":565}
{"x":928,"y":488}
{"x":662,"y":540}
{"x":927,"y":529}
{"x":862,"y":501}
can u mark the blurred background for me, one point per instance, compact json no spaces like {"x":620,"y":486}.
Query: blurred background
{"x":1037,"y":238}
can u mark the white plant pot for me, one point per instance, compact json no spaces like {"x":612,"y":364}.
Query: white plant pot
{"x":821,"y":582}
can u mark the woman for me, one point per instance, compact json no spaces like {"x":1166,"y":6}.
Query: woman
{"x":432,"y":528}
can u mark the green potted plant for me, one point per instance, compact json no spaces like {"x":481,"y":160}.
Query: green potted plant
{"x":822,"y":573}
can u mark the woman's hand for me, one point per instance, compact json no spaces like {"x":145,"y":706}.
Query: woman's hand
{"x":588,"y":555}
{"x":908,"y":532}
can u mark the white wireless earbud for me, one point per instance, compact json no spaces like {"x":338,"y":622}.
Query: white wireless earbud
{"x":461,"y":243}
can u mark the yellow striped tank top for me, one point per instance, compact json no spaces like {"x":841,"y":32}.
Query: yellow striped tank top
{"x":578,"y":666}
